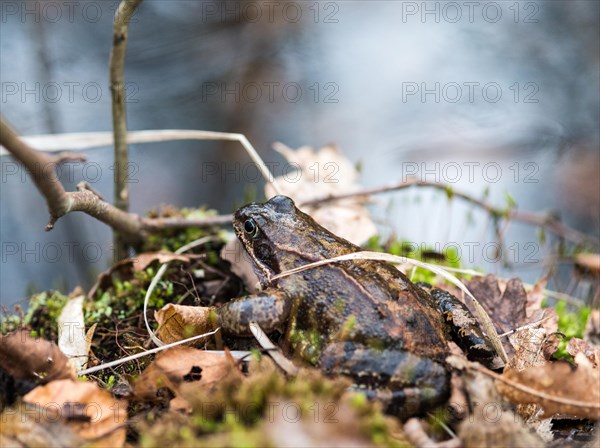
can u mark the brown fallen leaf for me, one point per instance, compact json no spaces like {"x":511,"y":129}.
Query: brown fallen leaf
{"x":182,"y":365}
{"x":338,"y":428}
{"x":490,"y":422}
{"x":536,"y":296}
{"x":590,"y":262}
{"x":177,"y":322}
{"x":143,"y":260}
{"x":92,"y":413}
{"x":29,"y":362}
{"x":576,"y":345}
{"x":19,"y":429}
{"x":556,"y":387}
{"x":551,"y":344}
{"x":535,"y":313}
{"x":528,"y":344}
{"x":507,"y":309}
{"x":592,"y":329}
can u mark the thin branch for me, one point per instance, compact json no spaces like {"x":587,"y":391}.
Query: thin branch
{"x":117,"y":88}
{"x":156,"y":224}
{"x":60,"y":202}
{"x":42,"y":169}
{"x":544,"y":220}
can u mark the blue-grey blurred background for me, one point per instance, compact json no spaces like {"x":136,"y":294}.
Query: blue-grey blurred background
{"x":502,"y":96}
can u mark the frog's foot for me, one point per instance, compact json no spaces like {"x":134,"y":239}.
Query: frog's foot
{"x":464,"y":329}
{"x":405,"y":383}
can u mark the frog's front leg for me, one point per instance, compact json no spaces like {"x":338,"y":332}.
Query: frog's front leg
{"x":269,"y":309}
{"x":405,"y":383}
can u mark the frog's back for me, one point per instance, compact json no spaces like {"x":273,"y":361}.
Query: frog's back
{"x":373,"y":303}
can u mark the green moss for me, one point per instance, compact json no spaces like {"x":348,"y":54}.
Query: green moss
{"x":572,"y":324}
{"x":42,"y":316}
{"x":447,"y":256}
{"x":172,"y":239}
{"x":308,"y":344}
{"x":240,"y":410}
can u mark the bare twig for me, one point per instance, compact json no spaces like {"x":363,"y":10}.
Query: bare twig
{"x":117,"y":88}
{"x":60,"y":202}
{"x":155,"y":224}
{"x":544,"y":220}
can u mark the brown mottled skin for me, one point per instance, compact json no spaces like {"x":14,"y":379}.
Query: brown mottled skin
{"x":371,"y":323}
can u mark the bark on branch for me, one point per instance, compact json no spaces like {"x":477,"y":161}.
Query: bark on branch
{"x":117,"y":88}
{"x":60,"y":202}
{"x":544,"y":220}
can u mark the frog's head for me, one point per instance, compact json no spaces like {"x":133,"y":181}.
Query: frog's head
{"x":278,"y":236}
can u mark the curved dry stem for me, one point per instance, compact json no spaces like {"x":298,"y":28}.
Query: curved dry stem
{"x":543,"y":220}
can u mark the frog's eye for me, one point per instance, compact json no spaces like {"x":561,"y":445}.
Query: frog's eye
{"x":251,"y":228}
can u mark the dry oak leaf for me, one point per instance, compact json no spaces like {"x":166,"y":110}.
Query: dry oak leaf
{"x":506,"y":308}
{"x":556,"y":387}
{"x":180,"y":365}
{"x":92,"y":413}
{"x":177,"y":322}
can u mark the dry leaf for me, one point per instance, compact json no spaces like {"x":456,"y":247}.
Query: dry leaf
{"x":589,"y":261}
{"x":29,"y":362}
{"x":416,"y":434}
{"x":323,"y":173}
{"x":556,"y":387}
{"x":241,"y":263}
{"x":180,"y":365}
{"x":507,"y":309}
{"x":491,"y":423}
{"x":142,"y":261}
{"x":177,"y":322}
{"x":336,"y":426}
{"x":536,"y":296}
{"x":551,"y":344}
{"x":576,"y":345}
{"x":92,"y":413}
{"x":534,"y":310}
{"x":71,"y":332}
{"x":528,"y":344}
{"x":592,"y":329}
{"x":19,"y":429}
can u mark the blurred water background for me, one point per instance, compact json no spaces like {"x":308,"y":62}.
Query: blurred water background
{"x":501,"y":96}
